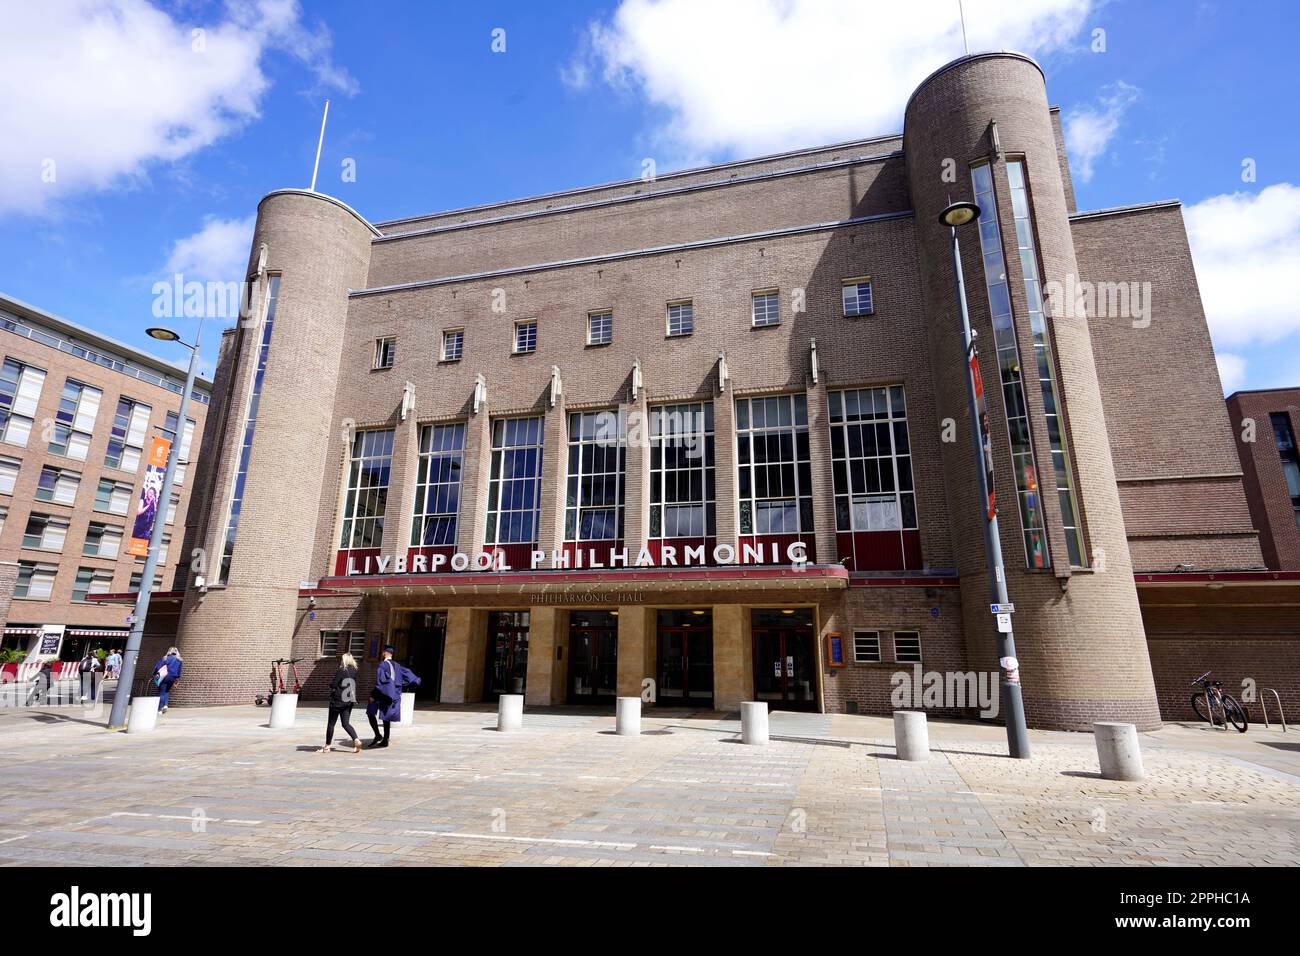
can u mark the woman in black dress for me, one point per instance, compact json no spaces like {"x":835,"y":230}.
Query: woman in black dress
{"x":343,"y":694}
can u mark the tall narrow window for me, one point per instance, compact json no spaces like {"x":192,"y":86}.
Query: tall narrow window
{"x":437,"y":486}
{"x":74,"y":422}
{"x":515,"y":484}
{"x":126,"y":442}
{"x":1284,"y":436}
{"x":596,"y":478}
{"x":9,"y":468}
{"x":385,"y":352}
{"x":1057,"y":435}
{"x":682,"y":474}
{"x":20,"y":390}
{"x":871,"y":458}
{"x":250,"y":426}
{"x":366,"y":497}
{"x":1008,"y":356}
{"x":775,"y":471}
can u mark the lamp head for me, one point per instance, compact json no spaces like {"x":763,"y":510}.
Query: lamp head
{"x":166,"y":335}
{"x":959,"y":213}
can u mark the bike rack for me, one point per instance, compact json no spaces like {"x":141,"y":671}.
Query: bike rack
{"x":1209,"y":709}
{"x":1263,"y":705}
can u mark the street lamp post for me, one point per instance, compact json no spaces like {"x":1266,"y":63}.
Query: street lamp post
{"x":1013,"y":706}
{"x":117,"y":718}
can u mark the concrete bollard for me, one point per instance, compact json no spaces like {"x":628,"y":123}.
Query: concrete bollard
{"x":510,"y":712}
{"x":408,"y":710}
{"x":284,"y":711}
{"x":911,"y":735}
{"x":143,"y":716}
{"x":753,"y":722}
{"x":627,"y":717}
{"x":1118,"y":751}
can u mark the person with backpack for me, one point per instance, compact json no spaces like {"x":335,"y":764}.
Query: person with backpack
{"x":386,"y":697}
{"x":343,"y":694}
{"x":89,"y":668}
{"x":166,"y":673}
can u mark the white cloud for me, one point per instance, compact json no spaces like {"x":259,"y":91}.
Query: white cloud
{"x":96,"y":92}
{"x":1089,"y":130}
{"x":754,"y":76}
{"x":1246,"y":248}
{"x":1232,"y":371}
{"x":218,"y":252}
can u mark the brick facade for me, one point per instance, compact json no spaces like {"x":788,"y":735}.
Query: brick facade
{"x":800,"y":223}
{"x":66,"y":352}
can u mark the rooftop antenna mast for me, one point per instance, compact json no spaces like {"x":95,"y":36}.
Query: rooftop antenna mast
{"x":960,"y":10}
{"x":319,"y":143}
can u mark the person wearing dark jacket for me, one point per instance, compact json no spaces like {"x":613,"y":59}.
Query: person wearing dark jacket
{"x":166,"y":673}
{"x":343,"y":694}
{"x":386,"y":698}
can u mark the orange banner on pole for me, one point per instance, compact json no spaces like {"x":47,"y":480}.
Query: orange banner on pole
{"x":150,"y":497}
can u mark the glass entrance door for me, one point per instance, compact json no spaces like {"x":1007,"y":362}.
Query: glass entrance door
{"x":593,"y":657}
{"x":507,"y":654}
{"x":685,"y":659}
{"x":427,"y":637}
{"x":785,"y":664}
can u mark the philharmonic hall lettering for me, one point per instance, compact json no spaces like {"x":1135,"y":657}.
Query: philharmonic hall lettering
{"x":795,"y":554}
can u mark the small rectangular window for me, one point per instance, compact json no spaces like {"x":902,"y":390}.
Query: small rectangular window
{"x":600,"y":328}
{"x":45,"y":532}
{"x":329,"y":643}
{"x":91,"y":581}
{"x":866,"y":647}
{"x":35,"y":581}
{"x":681,"y":317}
{"x":857,"y":297}
{"x":385,"y":352}
{"x":102,"y":541}
{"x":112,"y":496}
{"x":453,"y":345}
{"x":766,"y":308}
{"x":57,"y":485}
{"x":907,"y":647}
{"x":525,"y":336}
{"x":9,"y":474}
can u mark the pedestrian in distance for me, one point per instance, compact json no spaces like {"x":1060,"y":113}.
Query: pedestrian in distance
{"x":386,"y":698}
{"x":165,"y":674}
{"x":113,"y":665}
{"x":343,"y":694}
{"x":89,"y":668}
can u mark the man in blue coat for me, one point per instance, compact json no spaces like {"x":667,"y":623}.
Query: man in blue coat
{"x":386,"y":698}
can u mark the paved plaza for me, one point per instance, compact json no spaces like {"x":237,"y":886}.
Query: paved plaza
{"x":217,"y":786}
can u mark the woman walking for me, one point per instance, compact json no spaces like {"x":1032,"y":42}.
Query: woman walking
{"x":166,"y":673}
{"x":343,"y":694}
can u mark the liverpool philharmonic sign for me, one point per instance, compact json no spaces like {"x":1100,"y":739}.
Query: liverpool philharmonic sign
{"x":670,"y":556}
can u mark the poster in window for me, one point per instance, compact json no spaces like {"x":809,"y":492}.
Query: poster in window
{"x":835,"y":649}
{"x":150,"y":497}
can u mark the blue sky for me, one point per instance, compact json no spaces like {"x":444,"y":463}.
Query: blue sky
{"x":161,"y":150}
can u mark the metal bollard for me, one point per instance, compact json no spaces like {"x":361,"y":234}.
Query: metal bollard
{"x":510,"y":712}
{"x":753,"y":722}
{"x":1118,"y":751}
{"x":911,"y":735}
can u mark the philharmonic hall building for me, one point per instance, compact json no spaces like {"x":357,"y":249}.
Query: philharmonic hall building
{"x":706,"y":438}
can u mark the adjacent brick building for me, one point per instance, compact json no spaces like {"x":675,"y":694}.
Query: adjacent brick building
{"x":706,"y":437}
{"x":77,"y":414}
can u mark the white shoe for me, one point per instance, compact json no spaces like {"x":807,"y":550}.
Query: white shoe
{"x":163,"y":711}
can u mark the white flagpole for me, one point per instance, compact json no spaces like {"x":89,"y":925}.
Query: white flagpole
{"x":319,"y":143}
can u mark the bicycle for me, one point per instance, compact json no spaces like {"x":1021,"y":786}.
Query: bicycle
{"x":277,"y":679}
{"x":1210,"y":697}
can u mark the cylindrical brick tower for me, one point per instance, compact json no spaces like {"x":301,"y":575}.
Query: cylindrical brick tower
{"x":1079,"y":634}
{"x":270,"y":457}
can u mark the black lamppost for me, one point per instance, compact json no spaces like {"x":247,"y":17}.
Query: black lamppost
{"x":1013,"y":706}
{"x":117,"y":718}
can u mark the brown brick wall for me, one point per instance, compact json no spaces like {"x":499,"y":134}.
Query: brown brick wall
{"x":1267,"y":494}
